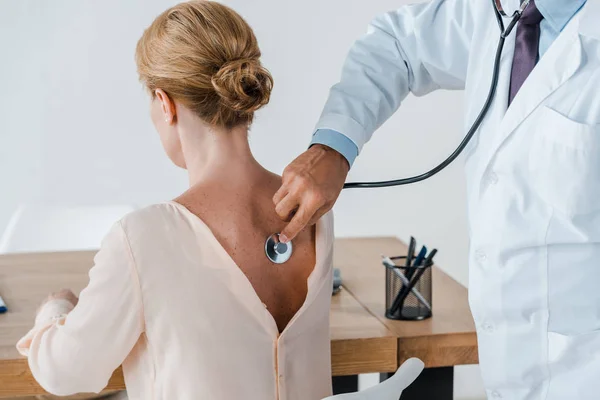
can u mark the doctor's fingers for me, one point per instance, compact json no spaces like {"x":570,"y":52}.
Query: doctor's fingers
{"x":300,"y":207}
{"x":287,"y":206}
{"x":297,"y":192}
{"x":280,"y":194}
{"x":305,"y":216}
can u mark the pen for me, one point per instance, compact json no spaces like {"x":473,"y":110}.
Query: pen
{"x":411,"y":251}
{"x":390,"y":264}
{"x":415,"y":279}
{"x":429,"y":259}
{"x":3,"y":308}
{"x":402,"y":295}
{"x":410,"y":268}
{"x":411,"y":271}
{"x":420,"y":256}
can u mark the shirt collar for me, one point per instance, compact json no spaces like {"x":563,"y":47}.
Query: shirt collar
{"x":558,"y":13}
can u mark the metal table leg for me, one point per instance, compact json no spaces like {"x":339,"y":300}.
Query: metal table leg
{"x":433,"y":383}
{"x":345,"y":384}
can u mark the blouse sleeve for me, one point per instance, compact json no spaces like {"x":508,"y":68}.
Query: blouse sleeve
{"x":76,"y":349}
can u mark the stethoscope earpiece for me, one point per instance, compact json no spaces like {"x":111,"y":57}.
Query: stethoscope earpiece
{"x":276,"y":251}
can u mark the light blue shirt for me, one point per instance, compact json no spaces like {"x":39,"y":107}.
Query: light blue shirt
{"x":557,"y":13}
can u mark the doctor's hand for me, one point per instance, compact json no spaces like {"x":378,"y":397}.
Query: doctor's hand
{"x":311,"y":186}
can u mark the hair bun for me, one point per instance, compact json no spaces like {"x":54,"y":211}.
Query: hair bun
{"x":243,"y":85}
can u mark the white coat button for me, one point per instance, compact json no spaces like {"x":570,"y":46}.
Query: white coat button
{"x":496,"y":395}
{"x":492,"y":178}
{"x":480,"y":256}
{"x":487,"y":327}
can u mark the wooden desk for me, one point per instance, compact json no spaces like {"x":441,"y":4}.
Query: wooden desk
{"x":360,"y":343}
{"x":363,"y":340}
{"x":443,"y":341}
{"x":447,"y":339}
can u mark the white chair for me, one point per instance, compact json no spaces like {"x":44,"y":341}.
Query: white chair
{"x":45,"y":228}
{"x":390,"y":389}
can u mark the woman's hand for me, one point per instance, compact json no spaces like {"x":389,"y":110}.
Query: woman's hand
{"x":311,"y":186}
{"x":64,"y":294}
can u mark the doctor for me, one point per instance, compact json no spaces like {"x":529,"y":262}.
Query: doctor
{"x":533,"y":173}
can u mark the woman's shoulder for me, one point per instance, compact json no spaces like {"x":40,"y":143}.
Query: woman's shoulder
{"x":162,"y":228}
{"x":154,"y":219}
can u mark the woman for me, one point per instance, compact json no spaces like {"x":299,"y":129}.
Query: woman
{"x":182,"y":293}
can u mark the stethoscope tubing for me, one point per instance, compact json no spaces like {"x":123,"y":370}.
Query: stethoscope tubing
{"x":499,"y":12}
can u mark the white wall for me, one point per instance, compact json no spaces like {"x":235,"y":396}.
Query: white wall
{"x":74,"y":126}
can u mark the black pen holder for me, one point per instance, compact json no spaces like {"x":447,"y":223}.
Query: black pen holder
{"x":402,"y":304}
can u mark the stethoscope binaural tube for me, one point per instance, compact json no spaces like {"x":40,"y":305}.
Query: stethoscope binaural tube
{"x":499,"y":12}
{"x":279,"y":253}
{"x":500,"y":9}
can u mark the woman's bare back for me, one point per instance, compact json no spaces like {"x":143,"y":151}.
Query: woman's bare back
{"x":242,"y":216}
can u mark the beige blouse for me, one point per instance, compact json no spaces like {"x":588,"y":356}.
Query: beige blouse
{"x":166,"y":300}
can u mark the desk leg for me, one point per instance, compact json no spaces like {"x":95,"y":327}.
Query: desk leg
{"x":345,"y":384}
{"x":433,"y":383}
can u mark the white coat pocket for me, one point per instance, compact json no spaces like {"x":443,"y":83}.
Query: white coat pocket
{"x":564,"y":163}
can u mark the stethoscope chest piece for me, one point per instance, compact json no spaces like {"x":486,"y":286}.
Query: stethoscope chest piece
{"x":276,"y":251}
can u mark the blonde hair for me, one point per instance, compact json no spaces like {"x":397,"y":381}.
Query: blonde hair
{"x":205,"y":56}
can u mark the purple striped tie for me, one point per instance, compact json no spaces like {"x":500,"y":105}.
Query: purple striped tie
{"x":526,"y":48}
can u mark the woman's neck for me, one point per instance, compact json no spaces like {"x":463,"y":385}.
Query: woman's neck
{"x":218,"y":155}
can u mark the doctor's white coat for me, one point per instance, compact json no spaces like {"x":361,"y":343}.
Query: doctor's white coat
{"x":533,"y":181}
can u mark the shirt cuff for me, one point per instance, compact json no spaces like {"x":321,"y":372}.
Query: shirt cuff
{"x":50,"y":313}
{"x":53,"y":310}
{"x":338,"y":142}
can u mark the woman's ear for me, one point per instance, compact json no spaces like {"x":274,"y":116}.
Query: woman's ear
{"x":167,"y":105}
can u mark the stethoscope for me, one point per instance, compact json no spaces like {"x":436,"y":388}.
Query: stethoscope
{"x":279,"y":252}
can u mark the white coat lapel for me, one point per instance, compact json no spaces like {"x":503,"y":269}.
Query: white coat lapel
{"x":559,"y":63}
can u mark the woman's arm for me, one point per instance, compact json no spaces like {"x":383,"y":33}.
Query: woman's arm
{"x":75,"y":349}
